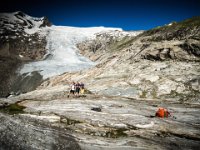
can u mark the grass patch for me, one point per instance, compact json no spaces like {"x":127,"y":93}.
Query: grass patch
{"x":144,"y":94}
{"x":119,"y":45}
{"x":69,"y":121}
{"x":154,"y":93}
{"x":13,"y":109}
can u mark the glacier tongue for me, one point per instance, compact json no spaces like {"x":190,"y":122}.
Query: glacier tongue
{"x":61,"y":44}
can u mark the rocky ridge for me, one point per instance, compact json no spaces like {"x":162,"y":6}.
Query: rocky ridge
{"x":105,"y":42}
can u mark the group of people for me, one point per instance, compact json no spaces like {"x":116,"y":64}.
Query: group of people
{"x":76,"y":88}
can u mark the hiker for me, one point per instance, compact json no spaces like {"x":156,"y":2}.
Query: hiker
{"x":162,"y":112}
{"x":82,"y":88}
{"x":77,"y":87}
{"x":72,"y":89}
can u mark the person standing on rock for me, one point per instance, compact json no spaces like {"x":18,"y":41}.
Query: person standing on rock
{"x":77,"y":87}
{"x":82,"y":88}
{"x":72,"y":89}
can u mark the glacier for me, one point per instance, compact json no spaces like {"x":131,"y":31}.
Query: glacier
{"x":61,"y":47}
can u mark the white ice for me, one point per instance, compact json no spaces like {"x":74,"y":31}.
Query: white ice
{"x":61,"y":45}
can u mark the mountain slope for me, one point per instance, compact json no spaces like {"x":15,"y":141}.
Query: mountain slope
{"x":176,"y":41}
{"x":143,"y":67}
{"x":187,"y":29}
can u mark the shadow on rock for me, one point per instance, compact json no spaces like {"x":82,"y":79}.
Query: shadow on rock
{"x":18,"y":133}
{"x":27,"y":82}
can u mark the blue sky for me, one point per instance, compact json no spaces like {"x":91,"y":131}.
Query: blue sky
{"x":125,"y":14}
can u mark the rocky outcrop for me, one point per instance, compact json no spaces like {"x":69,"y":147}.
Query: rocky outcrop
{"x":178,"y":41}
{"x":45,"y":23}
{"x":105,"y":44}
{"x":187,"y":50}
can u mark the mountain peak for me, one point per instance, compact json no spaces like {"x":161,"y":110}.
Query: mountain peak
{"x":20,"y":13}
{"x":20,"y":21}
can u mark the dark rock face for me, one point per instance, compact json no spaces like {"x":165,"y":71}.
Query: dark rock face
{"x":179,"y":50}
{"x":192,"y":48}
{"x":25,"y":83}
{"x":19,"y":38}
{"x":20,"y":41}
{"x":96,"y":108}
{"x":7,"y":73}
{"x":46,"y":22}
{"x":22,"y":49}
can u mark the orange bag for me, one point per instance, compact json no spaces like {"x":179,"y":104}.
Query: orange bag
{"x":162,"y":112}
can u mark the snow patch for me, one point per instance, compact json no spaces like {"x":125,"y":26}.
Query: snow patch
{"x":49,"y":118}
{"x":143,"y":126}
{"x":21,"y":56}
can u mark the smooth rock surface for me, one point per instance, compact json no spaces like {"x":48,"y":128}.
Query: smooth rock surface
{"x":122,"y":123}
